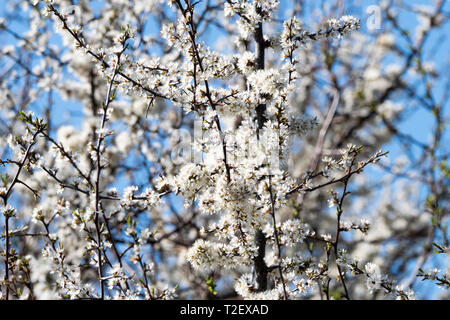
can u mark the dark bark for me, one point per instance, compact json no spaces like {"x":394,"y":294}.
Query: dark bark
{"x":260,"y":267}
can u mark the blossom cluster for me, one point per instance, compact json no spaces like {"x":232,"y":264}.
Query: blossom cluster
{"x":197,"y":155}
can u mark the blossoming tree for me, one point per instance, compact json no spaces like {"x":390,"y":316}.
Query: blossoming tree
{"x":220,"y":149}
